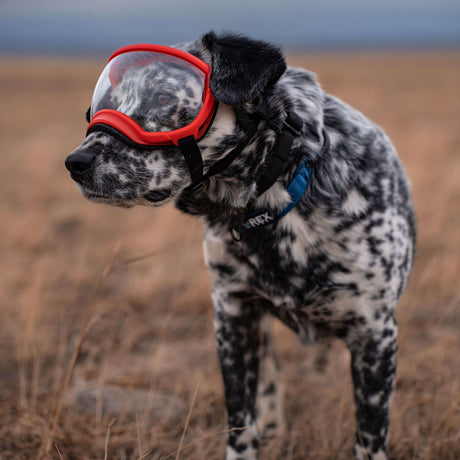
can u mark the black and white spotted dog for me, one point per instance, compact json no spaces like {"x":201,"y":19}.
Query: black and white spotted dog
{"x":334,"y":265}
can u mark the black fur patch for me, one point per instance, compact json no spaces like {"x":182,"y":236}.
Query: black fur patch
{"x":242,"y":69}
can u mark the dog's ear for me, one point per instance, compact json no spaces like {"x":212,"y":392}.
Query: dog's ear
{"x":241,"y":68}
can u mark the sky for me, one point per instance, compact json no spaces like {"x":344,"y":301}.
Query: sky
{"x":100,"y":26}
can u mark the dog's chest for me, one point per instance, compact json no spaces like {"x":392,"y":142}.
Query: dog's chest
{"x":292,"y":270}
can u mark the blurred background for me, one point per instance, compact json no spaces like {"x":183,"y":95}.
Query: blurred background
{"x":89,"y":27}
{"x":106,"y":339}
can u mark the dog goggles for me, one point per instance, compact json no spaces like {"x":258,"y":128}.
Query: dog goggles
{"x":154,"y":95}
{"x":159,"y":96}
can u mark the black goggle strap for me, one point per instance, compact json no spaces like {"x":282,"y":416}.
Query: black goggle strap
{"x":250,"y":128}
{"x":192,"y":155}
{"x":191,"y":152}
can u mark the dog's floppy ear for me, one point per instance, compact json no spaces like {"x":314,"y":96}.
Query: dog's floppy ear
{"x":241,"y":68}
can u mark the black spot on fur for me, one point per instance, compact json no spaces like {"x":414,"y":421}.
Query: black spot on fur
{"x":270,"y":389}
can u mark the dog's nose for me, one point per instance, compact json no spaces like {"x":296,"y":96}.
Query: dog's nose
{"x":79,"y":162}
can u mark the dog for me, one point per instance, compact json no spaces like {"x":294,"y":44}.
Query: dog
{"x":332,"y":262}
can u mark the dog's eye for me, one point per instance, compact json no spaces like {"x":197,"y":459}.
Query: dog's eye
{"x":162,"y":98}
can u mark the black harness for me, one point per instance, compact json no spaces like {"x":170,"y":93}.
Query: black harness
{"x":249,"y":122}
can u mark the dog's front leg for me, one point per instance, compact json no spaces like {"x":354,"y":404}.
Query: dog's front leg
{"x":373,"y":365}
{"x":270,"y":390}
{"x":238,"y":337}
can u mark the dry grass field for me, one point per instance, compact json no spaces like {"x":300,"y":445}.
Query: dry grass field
{"x":106,"y":339}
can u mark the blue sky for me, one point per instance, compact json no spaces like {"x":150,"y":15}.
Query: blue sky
{"x":94,"y":26}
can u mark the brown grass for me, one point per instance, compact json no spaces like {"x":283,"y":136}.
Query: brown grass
{"x":149,"y":338}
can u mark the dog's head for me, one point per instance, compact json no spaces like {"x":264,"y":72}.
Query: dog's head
{"x":111,"y":169}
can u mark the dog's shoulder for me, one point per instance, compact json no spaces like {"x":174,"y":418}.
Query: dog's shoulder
{"x":361,"y":171}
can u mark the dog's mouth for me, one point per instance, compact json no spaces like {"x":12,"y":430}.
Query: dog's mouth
{"x":154,"y":196}
{"x":101,"y":198}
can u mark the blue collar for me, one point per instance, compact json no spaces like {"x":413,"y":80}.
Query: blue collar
{"x":263,"y":217}
{"x":296,"y":189}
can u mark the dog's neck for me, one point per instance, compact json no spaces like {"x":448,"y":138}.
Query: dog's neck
{"x":229,"y":195}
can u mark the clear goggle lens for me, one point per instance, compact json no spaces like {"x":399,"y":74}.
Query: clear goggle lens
{"x":158,"y":91}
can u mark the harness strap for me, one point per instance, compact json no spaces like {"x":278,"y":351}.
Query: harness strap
{"x":292,"y":128}
{"x":296,"y":189}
